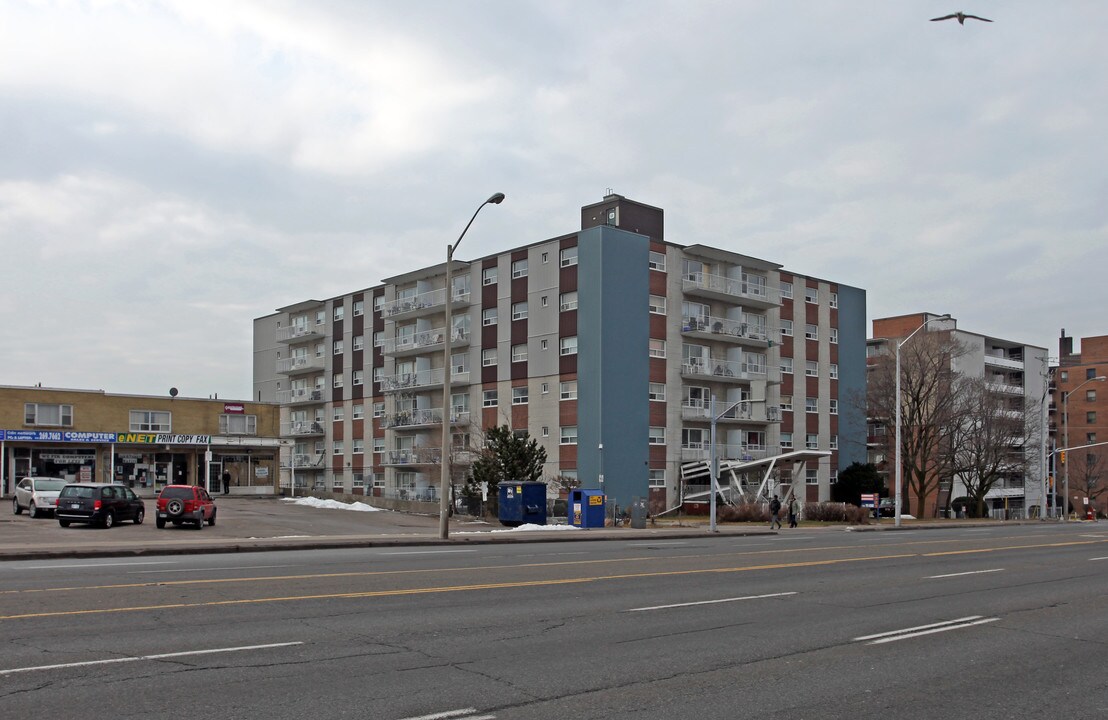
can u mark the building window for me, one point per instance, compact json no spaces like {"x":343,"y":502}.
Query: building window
{"x":568,"y":435}
{"x":338,"y":413}
{"x":545,"y":258}
{"x":488,"y":317}
{"x":833,"y":371}
{"x":834,"y":442}
{"x":379,"y":338}
{"x":378,"y":301}
{"x":238,"y":424}
{"x":51,"y":415}
{"x":787,"y":365}
{"x":340,"y":312}
{"x":519,"y":269}
{"x":378,"y":409}
{"x":358,"y":412}
{"x":519,"y":311}
{"x":357,"y":446}
{"x":357,"y":480}
{"x":545,"y":301}
{"x":378,"y":373}
{"x":338,"y":347}
{"x":545,"y":388}
{"x":811,"y":441}
{"x":811,"y":295}
{"x":657,"y":348}
{"x":1090,"y":437}
{"x":359,"y":377}
{"x":142,"y":421}
{"x":834,"y":301}
{"x":1090,"y":373}
{"x":568,"y":345}
{"x":1090,"y":395}
{"x":519,"y":395}
{"x":811,"y":476}
{"x":489,"y":398}
{"x":833,"y":336}
{"x":786,"y":290}
{"x":567,"y":301}
{"x":567,"y":390}
{"x":336,"y":447}
{"x":568,"y":257}
{"x":359,"y":308}
{"x":657,"y":305}
{"x":787,"y":328}
{"x":657,"y":262}
{"x":658,"y":392}
{"x":336,"y":381}
{"x":811,"y":368}
{"x":488,"y":357}
{"x":378,"y":445}
{"x":488,"y":276}
{"x":542,"y":345}
{"x":811,"y":404}
{"x":1065,"y":375}
{"x":1090,"y":418}
{"x":657,"y":478}
{"x":519,"y":353}
{"x":359,"y":342}
{"x":833,"y":406}
{"x":786,"y":403}
{"x":786,"y":440}
{"x":811,"y":332}
{"x":657,"y":436}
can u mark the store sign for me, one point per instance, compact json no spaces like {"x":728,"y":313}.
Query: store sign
{"x":162,"y":439}
{"x":67,"y":459}
{"x":234,"y":409}
{"x":57,"y":436}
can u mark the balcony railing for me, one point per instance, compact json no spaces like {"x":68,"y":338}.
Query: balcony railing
{"x":1007,"y":388}
{"x":300,"y":395}
{"x":698,"y":410}
{"x":738,"y":290}
{"x":425,"y":456}
{"x":298,"y":428}
{"x":1004,"y":362}
{"x":422,"y":340}
{"x":723,"y":369}
{"x":725,"y":329}
{"x":416,"y":304}
{"x":421,"y":379}
{"x":702,"y":451}
{"x":296,"y":333}
{"x":305,"y":460}
{"x":300,"y":364}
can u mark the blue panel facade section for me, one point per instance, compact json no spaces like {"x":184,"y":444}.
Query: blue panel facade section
{"x":613,"y":338}
{"x":852,"y":376}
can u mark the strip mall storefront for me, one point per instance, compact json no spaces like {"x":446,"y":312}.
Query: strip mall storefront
{"x":145,"y":462}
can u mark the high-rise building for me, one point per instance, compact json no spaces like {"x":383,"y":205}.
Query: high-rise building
{"x":607,"y":345}
{"x":1077,"y":374}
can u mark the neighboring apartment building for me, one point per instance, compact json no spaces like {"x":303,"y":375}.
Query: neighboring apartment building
{"x":1016,"y":370}
{"x":142,"y":441}
{"x":1088,"y":420}
{"x":606,"y":345}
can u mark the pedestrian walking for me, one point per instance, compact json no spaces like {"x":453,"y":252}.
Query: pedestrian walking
{"x":226,"y":478}
{"x":792,"y":512}
{"x":774,"y":513}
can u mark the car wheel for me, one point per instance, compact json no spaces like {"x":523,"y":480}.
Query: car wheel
{"x":109,"y":519}
{"x":200,"y":523}
{"x":32,"y":509}
{"x":16,"y":510}
{"x":174,"y":507}
{"x":211,"y":520}
{"x":159,"y":523}
{"x":63,"y":523}
{"x":140,"y":514}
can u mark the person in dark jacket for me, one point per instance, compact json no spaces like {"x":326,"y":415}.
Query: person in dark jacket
{"x":774,"y":513}
{"x":226,"y":478}
{"x":792,"y":512}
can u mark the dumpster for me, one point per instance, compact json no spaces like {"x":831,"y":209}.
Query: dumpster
{"x":586,"y":508}
{"x":522,"y":503}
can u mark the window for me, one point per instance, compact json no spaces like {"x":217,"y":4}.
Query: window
{"x":657,"y":436}
{"x":657,"y":478}
{"x":786,"y":440}
{"x":320,"y":317}
{"x":545,"y":301}
{"x":488,"y":317}
{"x":811,"y":476}
{"x":811,"y":295}
{"x":357,"y":480}
{"x":358,"y":412}
{"x":786,"y":403}
{"x":519,"y":269}
{"x":519,"y":311}
{"x":340,"y":312}
{"x":657,"y":348}
{"x":833,"y":406}
{"x":1090,"y":417}
{"x":568,"y":435}
{"x":337,"y":447}
{"x":833,"y":336}
{"x":488,"y":276}
{"x":811,"y":368}
{"x":1090,"y":395}
{"x":542,"y":344}
{"x":1065,"y":375}
{"x":378,"y":444}
{"x":489,"y":398}
{"x":51,"y":415}
{"x":811,"y":332}
{"x":359,"y":342}
{"x":1090,"y":437}
{"x":834,"y":442}
{"x":786,"y":290}
{"x":338,"y":412}
{"x":545,"y":431}
{"x":144,"y":421}
{"x":811,"y":441}
{"x":568,"y":345}
{"x":338,"y":347}
{"x":787,"y":365}
{"x":658,"y":262}
{"x":320,"y":350}
{"x":833,"y":371}
{"x":657,"y":392}
{"x":545,"y":389}
{"x":545,"y":258}
{"x":567,"y":301}
{"x":567,"y":390}
{"x":657,"y":305}
{"x":834,"y":301}
{"x":488,"y":357}
{"x":568,"y":257}
{"x":811,"y":404}
{"x":336,"y":381}
{"x":378,"y":409}
{"x":1090,"y":373}
{"x":519,"y":353}
{"x":786,"y":328}
{"x":238,"y":424}
{"x":378,"y":301}
{"x":379,"y":338}
{"x":358,"y":377}
{"x":357,"y":446}
{"x":519,"y":395}
{"x":359,"y":308}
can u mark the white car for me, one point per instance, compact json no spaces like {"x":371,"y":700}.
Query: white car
{"x":37,"y":494}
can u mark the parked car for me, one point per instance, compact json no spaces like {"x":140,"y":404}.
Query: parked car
{"x":886,"y":507}
{"x":185,"y":503}
{"x":37,"y":494}
{"x":98,"y":504}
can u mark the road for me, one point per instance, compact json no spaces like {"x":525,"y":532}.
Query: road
{"x":1000,"y":622}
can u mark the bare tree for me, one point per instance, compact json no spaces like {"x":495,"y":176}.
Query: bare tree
{"x":1090,"y":475}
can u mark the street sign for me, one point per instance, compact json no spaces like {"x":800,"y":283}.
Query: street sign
{"x":869,"y":500}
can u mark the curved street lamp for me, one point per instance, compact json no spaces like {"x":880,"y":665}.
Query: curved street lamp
{"x":444,"y":461}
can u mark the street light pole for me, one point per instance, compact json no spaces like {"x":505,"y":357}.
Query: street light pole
{"x":1066,"y":443}
{"x":444,"y":461}
{"x":900,"y":344}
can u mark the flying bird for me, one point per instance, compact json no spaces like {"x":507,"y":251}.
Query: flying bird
{"x":960,"y":17}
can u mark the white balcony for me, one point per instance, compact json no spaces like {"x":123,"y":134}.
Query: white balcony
{"x":702,"y":451}
{"x":307,"y":461}
{"x":743,"y":412}
{"x":422,"y":304}
{"x":300,"y":395}
{"x":1005,"y":388}
{"x":1003,"y":362}
{"x":423,"y":341}
{"x":302,"y":428}
{"x":297,"y":333}
{"x":717,"y":328}
{"x":300,"y":364}
{"x":722,"y":370}
{"x":422,"y":379}
{"x":747,"y":291}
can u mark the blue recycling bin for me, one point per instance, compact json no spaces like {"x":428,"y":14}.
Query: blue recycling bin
{"x":586,"y":508}
{"x":522,"y":503}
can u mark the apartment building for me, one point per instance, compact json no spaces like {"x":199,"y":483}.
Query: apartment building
{"x":1015,"y":370}
{"x":607,"y":345}
{"x":1076,"y":375}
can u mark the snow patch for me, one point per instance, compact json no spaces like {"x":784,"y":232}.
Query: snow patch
{"x":526,"y":527}
{"x":331,"y":504}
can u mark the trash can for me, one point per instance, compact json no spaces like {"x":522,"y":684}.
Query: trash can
{"x":586,"y":508}
{"x":522,"y":503}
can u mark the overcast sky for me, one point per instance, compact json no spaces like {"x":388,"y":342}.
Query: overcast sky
{"x":170,"y":170}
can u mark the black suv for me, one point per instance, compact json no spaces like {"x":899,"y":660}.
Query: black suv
{"x":98,"y":504}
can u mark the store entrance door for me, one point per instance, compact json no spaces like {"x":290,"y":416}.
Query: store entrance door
{"x":215,"y":477}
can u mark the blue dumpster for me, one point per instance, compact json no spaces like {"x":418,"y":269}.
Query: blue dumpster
{"x":586,"y":508}
{"x":522,"y":503}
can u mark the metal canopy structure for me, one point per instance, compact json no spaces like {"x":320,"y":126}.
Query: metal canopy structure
{"x":747,"y":480}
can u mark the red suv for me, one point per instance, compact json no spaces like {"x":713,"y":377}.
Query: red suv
{"x":185,"y":503}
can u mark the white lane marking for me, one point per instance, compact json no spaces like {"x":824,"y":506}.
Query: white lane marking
{"x":425,"y":552}
{"x":903,"y":633}
{"x":451,"y":714}
{"x":189,"y":570}
{"x":99,"y":565}
{"x":163,"y":656}
{"x":657,"y":544}
{"x":971,"y":572}
{"x":712,"y":602}
{"x":1100,"y":558}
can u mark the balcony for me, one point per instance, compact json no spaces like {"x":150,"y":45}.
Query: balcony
{"x":302,"y":428}
{"x":299,"y":396}
{"x":422,"y":379}
{"x":421,"y":418}
{"x":423,"y":341}
{"x":1003,"y":362}
{"x":300,"y":364}
{"x":307,"y":461}
{"x":1005,"y":388}
{"x":743,"y":412}
{"x":722,"y":370}
{"x":692,"y":452}
{"x":717,"y":328}
{"x":745,"y":291}
{"x":298,"y":333}
{"x":422,"y":304}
